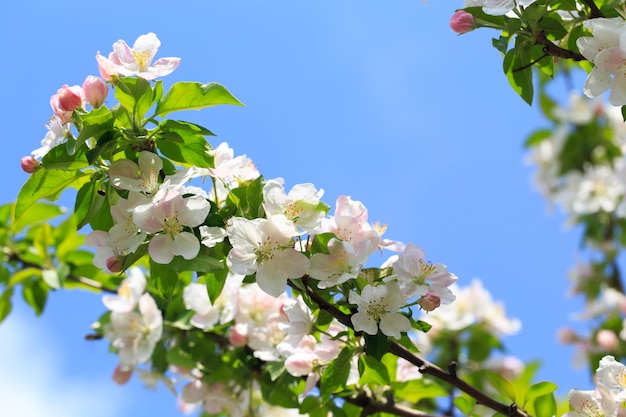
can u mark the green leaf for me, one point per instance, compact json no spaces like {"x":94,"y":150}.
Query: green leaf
{"x":465,"y":404}
{"x":135,"y":95}
{"x":537,"y":137}
{"x":539,"y":389}
{"x":46,"y":183}
{"x":94,"y":124}
{"x":374,"y":372}
{"x":320,"y":243}
{"x":519,"y":71}
{"x":545,"y":405}
{"x":38,"y":213}
{"x":163,"y":280}
{"x":501,"y":385}
{"x":186,"y":148}
{"x":59,"y":158}
{"x":5,"y":303}
{"x":202,"y":263}
{"x":169,"y":124}
{"x":335,"y":375}
{"x":377,"y":345}
{"x":89,"y":202}
{"x":186,"y":95}
{"x":215,"y":283}
{"x":35,"y":294}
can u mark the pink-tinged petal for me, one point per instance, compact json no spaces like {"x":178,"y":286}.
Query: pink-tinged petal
{"x":107,"y":68}
{"x":187,"y":245}
{"x":611,"y":59}
{"x":161,"y":67}
{"x":161,"y":249}
{"x":294,"y":264}
{"x":242,"y":261}
{"x":124,"y":53}
{"x":148,"y":219}
{"x":597,"y":82}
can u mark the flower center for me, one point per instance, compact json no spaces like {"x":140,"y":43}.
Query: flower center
{"x":377,"y":307}
{"x":142,"y":58}
{"x":266,"y":250}
{"x":172,"y":226}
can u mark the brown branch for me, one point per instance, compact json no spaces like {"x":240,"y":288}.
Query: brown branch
{"x":424,"y":366}
{"x":552,"y":49}
{"x":370,"y":407}
{"x":595,"y":11}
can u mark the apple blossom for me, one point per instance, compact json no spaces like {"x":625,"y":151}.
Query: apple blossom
{"x":612,"y":375}
{"x":166,"y":217}
{"x":128,"y":293}
{"x":497,"y":7}
{"x":417,"y":278}
{"x":258,"y":319}
{"x":265,"y":247}
{"x":378,"y":307}
{"x":135,"y":334}
{"x":207,"y":314}
{"x":142,"y":177}
{"x":57,"y":133}
{"x":591,"y":403}
{"x":300,"y":205}
{"x":342,"y":263}
{"x":137,"y":61}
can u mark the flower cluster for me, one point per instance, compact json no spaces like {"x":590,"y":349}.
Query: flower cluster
{"x":609,"y":396}
{"x":608,"y":54}
{"x":240,"y":270}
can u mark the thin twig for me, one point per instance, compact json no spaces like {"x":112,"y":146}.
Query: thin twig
{"x":595,"y":11}
{"x":424,"y":366}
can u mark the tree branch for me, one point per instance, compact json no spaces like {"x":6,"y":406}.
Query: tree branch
{"x":424,"y":366}
{"x":552,"y":49}
{"x":595,"y":11}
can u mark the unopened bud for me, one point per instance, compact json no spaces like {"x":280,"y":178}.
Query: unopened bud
{"x":121,"y":375}
{"x":462,"y":22}
{"x":30,"y":164}
{"x":430,"y":301}
{"x":96,"y":90}
{"x":115,"y":264}
{"x":607,"y":339}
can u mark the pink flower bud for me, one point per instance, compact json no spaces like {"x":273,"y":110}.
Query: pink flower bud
{"x":462,"y":21}
{"x":30,"y":164}
{"x":607,"y":339}
{"x":237,"y":338}
{"x":567,"y":335}
{"x":66,"y":100}
{"x":121,"y":375}
{"x":430,"y":301}
{"x":115,"y":263}
{"x":96,"y":90}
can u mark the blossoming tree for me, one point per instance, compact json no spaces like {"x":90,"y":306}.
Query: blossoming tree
{"x":246,"y":298}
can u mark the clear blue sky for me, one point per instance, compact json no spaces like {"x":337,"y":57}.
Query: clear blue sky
{"x":377,"y":100}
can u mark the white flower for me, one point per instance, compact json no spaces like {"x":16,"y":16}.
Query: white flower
{"x":128,"y":293}
{"x":135,"y":334}
{"x":378,"y":306}
{"x":136,"y":61}
{"x":497,"y":7}
{"x":207,"y":315}
{"x":299,"y":206}
{"x":142,"y":177}
{"x":211,"y":235}
{"x":612,"y":375}
{"x":57,"y":132}
{"x":418,"y":277}
{"x":592,"y":403}
{"x":170,"y":213}
{"x":265,"y":247}
{"x":339,"y":265}
{"x":596,"y":189}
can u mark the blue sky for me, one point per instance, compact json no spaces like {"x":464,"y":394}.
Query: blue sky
{"x":380,"y":101}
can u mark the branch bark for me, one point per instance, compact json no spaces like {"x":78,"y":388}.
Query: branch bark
{"x":424,"y":366}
